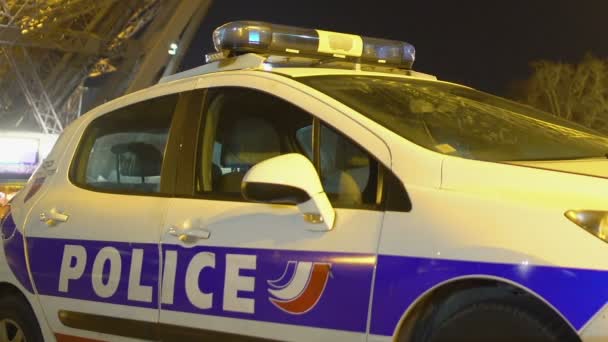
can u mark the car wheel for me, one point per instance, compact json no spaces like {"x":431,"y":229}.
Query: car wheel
{"x":17,"y":321}
{"x":493,"y":321}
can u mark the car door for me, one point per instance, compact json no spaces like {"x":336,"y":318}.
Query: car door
{"x":241,"y":270}
{"x":94,"y":252}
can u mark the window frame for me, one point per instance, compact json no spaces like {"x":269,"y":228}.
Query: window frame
{"x":167,"y":183}
{"x":185,"y":186}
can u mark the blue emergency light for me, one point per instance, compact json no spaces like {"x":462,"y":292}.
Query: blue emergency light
{"x":270,"y":39}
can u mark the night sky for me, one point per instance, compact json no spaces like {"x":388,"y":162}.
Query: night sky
{"x":485,"y":44}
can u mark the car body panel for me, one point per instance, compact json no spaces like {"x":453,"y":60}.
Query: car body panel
{"x":273,"y":237}
{"x":469,"y":220}
{"x":89,"y":228}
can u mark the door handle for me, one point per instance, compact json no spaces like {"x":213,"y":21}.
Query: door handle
{"x":53,"y":216}
{"x":189,"y":235}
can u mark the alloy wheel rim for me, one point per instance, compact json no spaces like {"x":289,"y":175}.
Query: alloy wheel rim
{"x":10,"y":331}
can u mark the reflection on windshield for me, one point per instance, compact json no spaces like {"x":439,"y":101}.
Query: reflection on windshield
{"x":460,"y":121}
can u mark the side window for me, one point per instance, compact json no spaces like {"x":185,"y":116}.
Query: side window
{"x":348,"y":173}
{"x":243,"y":127}
{"x":123,"y":151}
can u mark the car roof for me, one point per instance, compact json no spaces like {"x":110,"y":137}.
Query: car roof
{"x":295,"y":69}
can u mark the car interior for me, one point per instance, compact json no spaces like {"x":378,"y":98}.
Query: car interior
{"x":244,"y":127}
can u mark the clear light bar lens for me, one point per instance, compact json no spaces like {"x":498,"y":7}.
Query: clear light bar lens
{"x":266,"y":38}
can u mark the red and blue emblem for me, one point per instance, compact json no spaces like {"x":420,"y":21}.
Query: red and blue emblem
{"x":300,"y":287}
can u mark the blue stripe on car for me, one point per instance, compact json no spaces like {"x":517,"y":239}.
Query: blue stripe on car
{"x":578,"y":294}
{"x":12,"y":240}
{"x":343,"y":305}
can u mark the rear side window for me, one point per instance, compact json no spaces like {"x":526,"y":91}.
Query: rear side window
{"x":123,"y":151}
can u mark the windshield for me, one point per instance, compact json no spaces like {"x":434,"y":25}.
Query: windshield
{"x":459,"y":121}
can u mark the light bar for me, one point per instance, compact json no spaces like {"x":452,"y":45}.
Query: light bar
{"x":265,"y":38}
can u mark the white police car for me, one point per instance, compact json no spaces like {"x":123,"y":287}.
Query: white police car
{"x":307,"y":185}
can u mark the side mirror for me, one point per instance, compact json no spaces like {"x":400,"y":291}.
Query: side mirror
{"x":290,"y":179}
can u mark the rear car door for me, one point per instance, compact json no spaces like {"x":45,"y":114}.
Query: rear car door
{"x":92,"y":237}
{"x":244,"y":271}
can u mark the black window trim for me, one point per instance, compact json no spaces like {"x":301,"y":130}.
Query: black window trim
{"x":185,"y":144}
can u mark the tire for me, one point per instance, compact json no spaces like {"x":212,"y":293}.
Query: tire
{"x":496,"y":322}
{"x":17,"y":316}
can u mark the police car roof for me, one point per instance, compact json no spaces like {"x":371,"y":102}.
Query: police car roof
{"x":293,"y":68}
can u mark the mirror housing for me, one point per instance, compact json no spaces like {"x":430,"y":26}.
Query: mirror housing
{"x":290,"y":179}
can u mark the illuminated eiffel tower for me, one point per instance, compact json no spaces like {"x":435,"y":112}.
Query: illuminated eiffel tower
{"x":49,"y":48}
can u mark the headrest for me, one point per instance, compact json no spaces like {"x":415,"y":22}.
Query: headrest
{"x":138,"y":159}
{"x":249,"y":141}
{"x":351,"y":155}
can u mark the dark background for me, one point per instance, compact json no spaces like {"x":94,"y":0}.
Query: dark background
{"x":485,"y":44}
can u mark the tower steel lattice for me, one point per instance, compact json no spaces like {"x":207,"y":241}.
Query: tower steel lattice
{"x":48,"y":48}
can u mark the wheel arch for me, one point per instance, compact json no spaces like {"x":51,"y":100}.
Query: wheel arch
{"x":486,"y":286}
{"x":10,"y":289}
